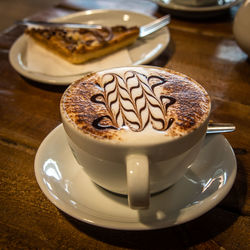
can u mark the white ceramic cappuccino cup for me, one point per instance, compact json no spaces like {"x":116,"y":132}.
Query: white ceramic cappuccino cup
{"x":127,"y":162}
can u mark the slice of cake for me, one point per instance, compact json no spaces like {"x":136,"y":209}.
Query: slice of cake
{"x":81,"y":45}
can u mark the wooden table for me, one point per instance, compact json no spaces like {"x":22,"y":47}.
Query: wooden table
{"x":204,"y":50}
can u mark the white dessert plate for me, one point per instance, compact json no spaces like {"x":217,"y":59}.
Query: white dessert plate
{"x":141,"y":52}
{"x":67,"y":186}
{"x":196,"y":11}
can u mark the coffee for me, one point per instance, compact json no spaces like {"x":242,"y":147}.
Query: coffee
{"x":135,"y":130}
{"x":136,"y":103}
{"x":197,"y":3}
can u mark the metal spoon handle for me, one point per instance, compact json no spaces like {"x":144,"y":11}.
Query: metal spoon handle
{"x":214,"y":128}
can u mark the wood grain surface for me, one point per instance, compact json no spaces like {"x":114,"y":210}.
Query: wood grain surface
{"x":206,"y":51}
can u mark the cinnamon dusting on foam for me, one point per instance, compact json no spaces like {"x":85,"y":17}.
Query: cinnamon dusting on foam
{"x":135,"y":101}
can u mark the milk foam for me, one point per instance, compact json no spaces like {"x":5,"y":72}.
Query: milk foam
{"x":137,"y":105}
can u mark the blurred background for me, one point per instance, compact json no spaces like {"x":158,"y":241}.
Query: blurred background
{"x":13,"y":10}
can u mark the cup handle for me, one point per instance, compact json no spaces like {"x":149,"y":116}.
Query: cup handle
{"x":138,"y":181}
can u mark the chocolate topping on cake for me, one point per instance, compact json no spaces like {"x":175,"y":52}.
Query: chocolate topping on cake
{"x":80,"y":39}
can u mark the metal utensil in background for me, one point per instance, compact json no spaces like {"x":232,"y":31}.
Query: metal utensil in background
{"x":144,"y":30}
{"x":154,"y":26}
{"x":42,"y":24}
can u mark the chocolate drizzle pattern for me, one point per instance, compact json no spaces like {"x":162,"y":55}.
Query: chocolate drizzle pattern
{"x":133,"y":101}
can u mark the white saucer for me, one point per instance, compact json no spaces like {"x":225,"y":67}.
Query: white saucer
{"x":142,"y":52}
{"x":196,"y":11}
{"x":67,"y":186}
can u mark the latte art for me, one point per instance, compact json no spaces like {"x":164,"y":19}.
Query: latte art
{"x":135,"y":105}
{"x":134,"y":101}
